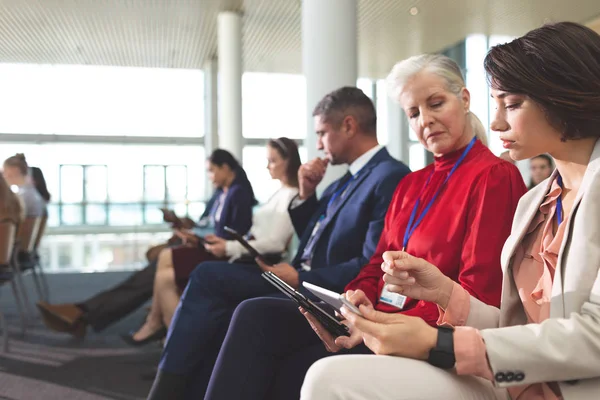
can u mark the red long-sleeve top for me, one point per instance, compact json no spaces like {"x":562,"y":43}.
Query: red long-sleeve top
{"x":463,"y":232}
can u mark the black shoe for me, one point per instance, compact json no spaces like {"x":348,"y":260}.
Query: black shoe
{"x":156,"y":336}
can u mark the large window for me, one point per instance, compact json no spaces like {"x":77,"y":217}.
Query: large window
{"x":95,"y":100}
{"x":101,"y":184}
{"x":274,"y":105}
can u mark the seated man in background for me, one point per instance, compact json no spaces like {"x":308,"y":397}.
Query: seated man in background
{"x":107,"y":307}
{"x":338,"y":234}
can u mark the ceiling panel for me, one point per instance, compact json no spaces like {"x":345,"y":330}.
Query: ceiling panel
{"x":182,"y":33}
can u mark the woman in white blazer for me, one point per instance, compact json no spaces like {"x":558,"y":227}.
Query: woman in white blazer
{"x":544,"y":341}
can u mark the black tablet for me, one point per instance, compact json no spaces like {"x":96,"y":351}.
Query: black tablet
{"x":329,"y":322}
{"x":253,"y":252}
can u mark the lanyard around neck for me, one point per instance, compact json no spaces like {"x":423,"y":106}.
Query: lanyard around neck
{"x":559,"y":205}
{"x":412,"y":223}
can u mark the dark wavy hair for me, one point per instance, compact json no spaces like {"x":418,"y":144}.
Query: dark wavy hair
{"x":221,"y":157}
{"x":40,"y":183}
{"x":288,"y":150}
{"x":558,"y":67}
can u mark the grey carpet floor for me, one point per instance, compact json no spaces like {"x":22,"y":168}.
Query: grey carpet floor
{"x":45,"y":365}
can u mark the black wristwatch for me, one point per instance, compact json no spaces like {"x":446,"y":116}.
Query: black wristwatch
{"x":442,"y":355}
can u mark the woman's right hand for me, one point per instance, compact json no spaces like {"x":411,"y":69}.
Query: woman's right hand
{"x":416,"y":278}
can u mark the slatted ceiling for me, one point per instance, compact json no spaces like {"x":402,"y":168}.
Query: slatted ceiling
{"x":183,"y":33}
{"x":272,"y":35}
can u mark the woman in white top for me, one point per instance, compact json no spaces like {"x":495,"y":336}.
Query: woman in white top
{"x":271,"y":233}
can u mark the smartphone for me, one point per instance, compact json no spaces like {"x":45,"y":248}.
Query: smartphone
{"x":334,"y":299}
{"x":253,"y":252}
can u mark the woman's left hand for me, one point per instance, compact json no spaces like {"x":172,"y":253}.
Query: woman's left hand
{"x":215,"y":245}
{"x":393,"y":334}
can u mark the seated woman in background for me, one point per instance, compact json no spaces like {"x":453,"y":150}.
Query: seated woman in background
{"x":16,"y":172}
{"x":541,"y":168}
{"x":544,"y":340}
{"x":270,"y":234}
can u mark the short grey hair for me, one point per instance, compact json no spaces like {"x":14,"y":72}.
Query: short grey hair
{"x":439,"y":65}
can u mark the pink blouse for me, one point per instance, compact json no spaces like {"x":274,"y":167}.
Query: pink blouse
{"x":533,"y":272}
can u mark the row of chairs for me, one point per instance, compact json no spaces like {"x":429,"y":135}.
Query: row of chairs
{"x":18,"y":257}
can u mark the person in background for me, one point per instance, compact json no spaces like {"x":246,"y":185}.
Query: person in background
{"x":232,"y":207}
{"x":439,"y":213}
{"x":505,"y":155}
{"x":543,"y":343}
{"x":541,"y":168}
{"x":270,"y":235}
{"x":16,"y":173}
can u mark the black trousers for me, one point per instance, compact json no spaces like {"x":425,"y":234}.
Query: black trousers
{"x":110,"y":306}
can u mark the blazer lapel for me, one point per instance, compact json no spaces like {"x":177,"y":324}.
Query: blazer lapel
{"x":355,"y":184}
{"x":523,"y":221}
{"x":557,"y":287}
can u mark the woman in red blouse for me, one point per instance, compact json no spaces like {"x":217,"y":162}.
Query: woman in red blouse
{"x":543,"y":342}
{"x":461,"y":208}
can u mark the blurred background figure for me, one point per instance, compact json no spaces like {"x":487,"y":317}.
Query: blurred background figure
{"x":506,"y":157}
{"x":540,"y":168}
{"x":16,"y":173}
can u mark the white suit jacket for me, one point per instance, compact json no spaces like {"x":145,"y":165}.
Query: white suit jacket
{"x":566,"y":347}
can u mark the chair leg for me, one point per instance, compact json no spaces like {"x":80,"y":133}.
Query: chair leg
{"x":20,"y":308}
{"x":38,"y":286}
{"x":27,"y":305}
{"x":4,"y":327}
{"x":45,"y":286}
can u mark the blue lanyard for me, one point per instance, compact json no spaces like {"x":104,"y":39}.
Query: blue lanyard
{"x":559,"y":207}
{"x":412,"y":224}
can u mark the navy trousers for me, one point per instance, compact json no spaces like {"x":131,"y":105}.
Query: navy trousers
{"x":267,"y":351}
{"x":202,"y":317}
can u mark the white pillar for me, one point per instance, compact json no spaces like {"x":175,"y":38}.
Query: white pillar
{"x":211,"y":112}
{"x":329,"y":59}
{"x":397,"y":124}
{"x":230,"y":82}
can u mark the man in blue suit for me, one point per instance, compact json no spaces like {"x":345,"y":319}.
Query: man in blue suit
{"x":338,"y":234}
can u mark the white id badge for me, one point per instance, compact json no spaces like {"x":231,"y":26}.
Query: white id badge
{"x":393,"y":299}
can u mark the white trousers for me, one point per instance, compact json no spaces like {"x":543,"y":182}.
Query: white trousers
{"x":370,"y":377}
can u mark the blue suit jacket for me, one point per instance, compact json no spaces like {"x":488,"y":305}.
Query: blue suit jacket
{"x":237,"y":210}
{"x":351,"y":235}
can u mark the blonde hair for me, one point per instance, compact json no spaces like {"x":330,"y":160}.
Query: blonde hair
{"x":440,"y":65}
{"x":10,"y":205}
{"x":18,"y":161}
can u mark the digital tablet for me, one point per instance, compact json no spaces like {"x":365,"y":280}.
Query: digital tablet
{"x":329,"y":322}
{"x":253,"y":252}
{"x":334,"y":299}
